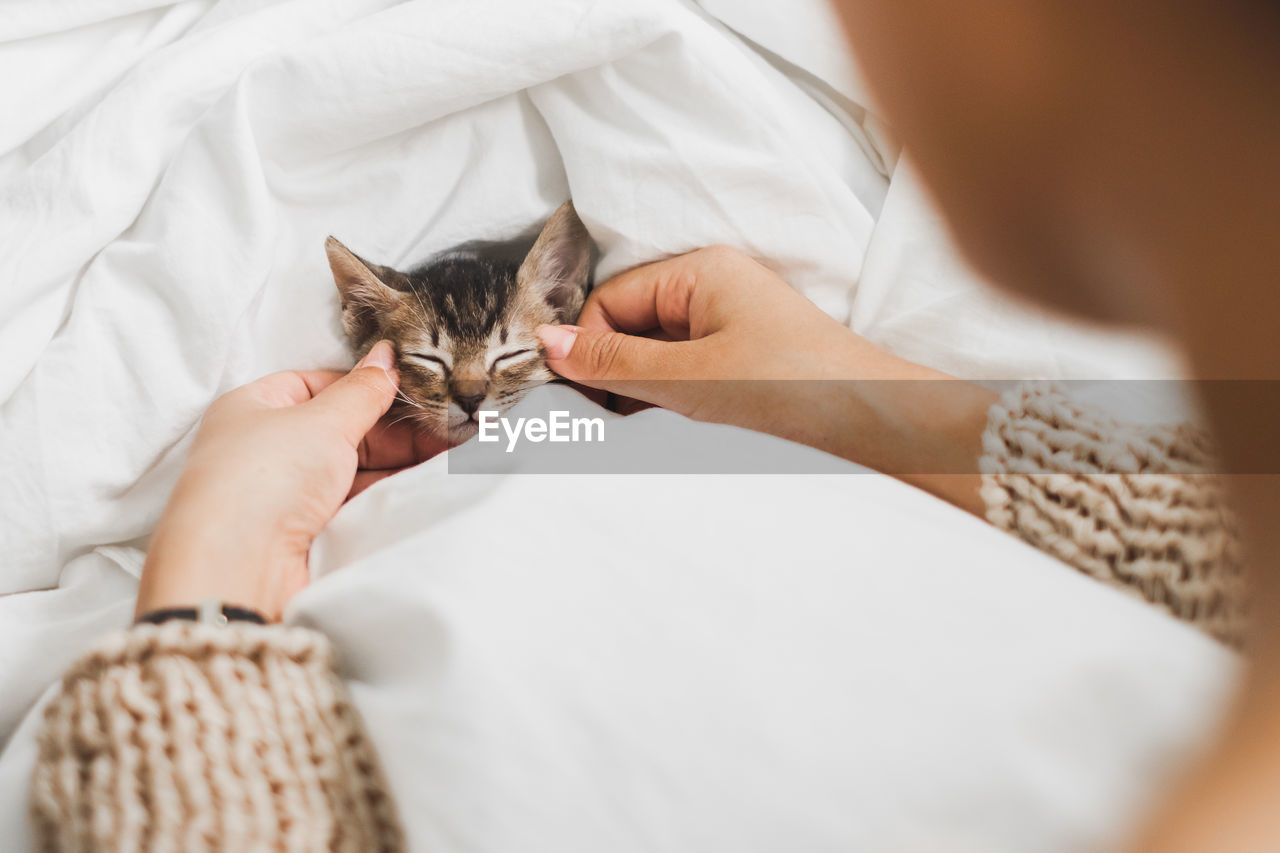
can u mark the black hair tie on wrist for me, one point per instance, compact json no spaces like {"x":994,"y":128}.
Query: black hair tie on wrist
{"x":210,"y":612}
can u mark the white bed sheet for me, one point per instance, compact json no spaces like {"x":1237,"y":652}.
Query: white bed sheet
{"x":171,"y":170}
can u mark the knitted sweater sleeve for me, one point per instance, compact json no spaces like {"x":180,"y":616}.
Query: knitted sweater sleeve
{"x":190,"y":737}
{"x":1132,"y":506}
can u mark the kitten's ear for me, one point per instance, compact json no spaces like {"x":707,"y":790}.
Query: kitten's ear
{"x":365,"y":297}
{"x":559,"y":264}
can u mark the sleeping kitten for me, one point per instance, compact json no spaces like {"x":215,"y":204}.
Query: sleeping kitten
{"x":463,"y":325}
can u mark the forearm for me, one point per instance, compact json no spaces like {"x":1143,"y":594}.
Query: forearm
{"x":925,"y":431}
{"x":184,"y":736}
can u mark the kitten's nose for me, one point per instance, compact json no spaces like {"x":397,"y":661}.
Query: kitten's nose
{"x":469,"y":394}
{"x":468,"y":402}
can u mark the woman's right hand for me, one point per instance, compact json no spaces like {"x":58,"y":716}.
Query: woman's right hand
{"x":718,"y":337}
{"x":711,"y":314}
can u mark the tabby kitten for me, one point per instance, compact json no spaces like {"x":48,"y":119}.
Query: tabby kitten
{"x":463,"y":325}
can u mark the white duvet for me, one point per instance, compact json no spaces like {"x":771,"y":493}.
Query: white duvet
{"x":568,"y":663}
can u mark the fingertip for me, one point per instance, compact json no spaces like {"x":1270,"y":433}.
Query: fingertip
{"x":383,"y":357}
{"x":364,"y":394}
{"x":382,"y":354}
{"x":557,"y":340}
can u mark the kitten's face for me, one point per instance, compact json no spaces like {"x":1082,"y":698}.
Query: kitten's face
{"x":463,"y":327}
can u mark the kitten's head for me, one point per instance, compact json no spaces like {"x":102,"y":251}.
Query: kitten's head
{"x":463,"y":327}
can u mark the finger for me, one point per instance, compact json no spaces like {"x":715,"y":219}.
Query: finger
{"x":318,"y":380}
{"x":365,"y":479}
{"x":612,"y":361}
{"x":356,"y":401}
{"x":398,"y":444}
{"x":654,"y":296}
{"x":596,"y":395}
{"x":629,"y":405}
{"x":286,"y":388}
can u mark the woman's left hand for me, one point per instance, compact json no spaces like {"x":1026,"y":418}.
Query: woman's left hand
{"x":271,"y":464}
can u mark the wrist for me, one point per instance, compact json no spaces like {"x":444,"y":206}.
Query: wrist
{"x":897,"y":417}
{"x":198,"y":553}
{"x":925,"y":432}
{"x":912,"y":427}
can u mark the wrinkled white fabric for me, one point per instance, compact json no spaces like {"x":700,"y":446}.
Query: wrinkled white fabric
{"x":168,"y":172}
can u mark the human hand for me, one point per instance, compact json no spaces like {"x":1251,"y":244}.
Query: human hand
{"x":272,"y":462}
{"x":713,"y":314}
{"x":718,"y":337}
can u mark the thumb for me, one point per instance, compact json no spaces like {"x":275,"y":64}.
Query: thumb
{"x":612,"y":361}
{"x":359,"y":399}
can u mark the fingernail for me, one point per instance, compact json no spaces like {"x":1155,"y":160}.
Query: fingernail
{"x":382,"y":355}
{"x":558,"y":340}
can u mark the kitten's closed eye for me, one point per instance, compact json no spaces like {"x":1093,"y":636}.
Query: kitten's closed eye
{"x":508,"y":356}
{"x":432,"y":359}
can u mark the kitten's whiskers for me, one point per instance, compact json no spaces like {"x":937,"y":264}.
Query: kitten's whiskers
{"x":406,"y":416}
{"x":402,"y":398}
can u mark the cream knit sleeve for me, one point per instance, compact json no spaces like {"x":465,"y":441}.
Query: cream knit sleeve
{"x":189,"y":737}
{"x":1129,"y":505}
